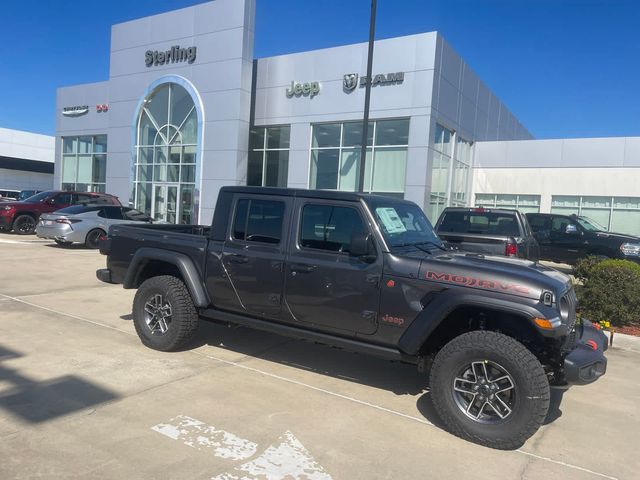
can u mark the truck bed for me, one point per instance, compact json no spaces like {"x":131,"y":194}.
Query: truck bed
{"x":125,"y":240}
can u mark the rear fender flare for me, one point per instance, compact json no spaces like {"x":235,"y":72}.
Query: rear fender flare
{"x":443,"y":304}
{"x":184,"y":264}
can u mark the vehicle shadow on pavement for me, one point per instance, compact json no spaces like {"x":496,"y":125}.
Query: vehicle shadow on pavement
{"x":395,"y":377}
{"x":398,"y":378}
{"x":37,"y":401}
{"x":73,"y":246}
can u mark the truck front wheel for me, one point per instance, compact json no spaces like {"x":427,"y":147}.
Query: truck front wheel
{"x":163,"y":313}
{"x":489,"y":389}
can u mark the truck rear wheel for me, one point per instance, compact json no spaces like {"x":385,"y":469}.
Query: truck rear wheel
{"x":489,"y":389}
{"x":163,"y":313}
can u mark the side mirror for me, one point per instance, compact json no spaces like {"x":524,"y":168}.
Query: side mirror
{"x":571,"y":229}
{"x":362,"y":247}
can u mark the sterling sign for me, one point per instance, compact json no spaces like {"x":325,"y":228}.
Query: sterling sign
{"x":173,"y":55}
{"x":350,"y":80}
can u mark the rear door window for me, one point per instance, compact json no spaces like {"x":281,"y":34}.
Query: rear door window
{"x":134,"y":215}
{"x":113,"y":213}
{"x":258,"y":220}
{"x":487,"y":223}
{"x":62,"y":199}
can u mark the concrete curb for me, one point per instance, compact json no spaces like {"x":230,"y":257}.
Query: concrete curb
{"x":624,"y":342}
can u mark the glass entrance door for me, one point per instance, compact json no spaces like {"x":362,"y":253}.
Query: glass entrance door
{"x":165,"y":202}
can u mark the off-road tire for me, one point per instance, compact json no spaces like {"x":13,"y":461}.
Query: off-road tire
{"x":532,"y":392}
{"x":92,"y":238}
{"x":184,"y":317}
{"x":24,"y":225}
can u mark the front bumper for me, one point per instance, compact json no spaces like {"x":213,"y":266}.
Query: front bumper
{"x":586,"y":362}
{"x":5,"y":222}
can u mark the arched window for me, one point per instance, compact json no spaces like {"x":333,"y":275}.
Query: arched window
{"x":165,"y":155}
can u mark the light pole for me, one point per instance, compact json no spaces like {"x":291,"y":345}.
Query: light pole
{"x":367,"y":98}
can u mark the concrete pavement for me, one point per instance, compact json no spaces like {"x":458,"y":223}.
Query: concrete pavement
{"x":80,"y":397}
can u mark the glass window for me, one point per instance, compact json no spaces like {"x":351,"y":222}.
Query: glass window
{"x":84,"y":163}
{"x":134,"y":215}
{"x":338,"y":168}
{"x":62,"y":199}
{"x":524,"y":203}
{"x":352,"y":134}
{"x":114,"y":213}
{"x":560,"y":224}
{"x":327,"y":227}
{"x":326,"y":135}
{"x":324,"y":169}
{"x":442,"y":140}
{"x":489,"y":223}
{"x":278,"y":137}
{"x":268,"y":163}
{"x":392,"y":132}
{"x":166,"y":160}
{"x":258,"y":221}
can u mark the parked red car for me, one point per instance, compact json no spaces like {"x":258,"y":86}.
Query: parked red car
{"x":22,"y":217}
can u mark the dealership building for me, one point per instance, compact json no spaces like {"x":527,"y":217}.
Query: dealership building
{"x":187,"y":109}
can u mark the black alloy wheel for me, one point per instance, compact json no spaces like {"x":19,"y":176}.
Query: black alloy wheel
{"x":93,"y":237}
{"x":24,"y":225}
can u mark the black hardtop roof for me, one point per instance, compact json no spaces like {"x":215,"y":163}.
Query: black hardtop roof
{"x":480,"y":209}
{"x":301,"y":192}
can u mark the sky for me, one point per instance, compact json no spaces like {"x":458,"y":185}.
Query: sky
{"x":565,"y":68}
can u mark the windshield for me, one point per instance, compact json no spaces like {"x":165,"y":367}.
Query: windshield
{"x":402,"y":223}
{"x":39,"y":197}
{"x":590,"y":225}
{"x":25,"y":194}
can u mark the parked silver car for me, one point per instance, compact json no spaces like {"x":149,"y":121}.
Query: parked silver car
{"x":85,"y":223}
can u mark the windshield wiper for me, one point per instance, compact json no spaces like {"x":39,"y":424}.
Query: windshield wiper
{"x":429,"y":242}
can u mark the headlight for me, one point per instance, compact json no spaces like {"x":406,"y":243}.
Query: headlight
{"x":630,"y":249}
{"x":564,"y":309}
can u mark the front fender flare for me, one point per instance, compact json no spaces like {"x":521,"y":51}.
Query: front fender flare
{"x":187,"y":269}
{"x":445,"y":303}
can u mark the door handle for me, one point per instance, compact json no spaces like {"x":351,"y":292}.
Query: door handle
{"x":303,"y":268}
{"x":235,"y":258}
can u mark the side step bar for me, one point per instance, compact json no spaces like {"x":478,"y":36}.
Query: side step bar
{"x":300,"y":333}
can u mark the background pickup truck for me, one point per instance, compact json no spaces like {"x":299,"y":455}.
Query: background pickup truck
{"x":488,"y":231}
{"x":568,"y":238}
{"x":368,"y":274}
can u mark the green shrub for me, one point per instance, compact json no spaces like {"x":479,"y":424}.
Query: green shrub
{"x":610,"y":291}
{"x":582,"y":268}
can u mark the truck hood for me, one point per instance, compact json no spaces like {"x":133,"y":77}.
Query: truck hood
{"x":618,"y":236}
{"x":492,"y":273}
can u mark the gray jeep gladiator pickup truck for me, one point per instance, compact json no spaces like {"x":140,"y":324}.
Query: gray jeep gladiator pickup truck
{"x":368,"y":274}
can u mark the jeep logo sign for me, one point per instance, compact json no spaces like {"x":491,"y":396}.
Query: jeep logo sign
{"x":310,"y":89}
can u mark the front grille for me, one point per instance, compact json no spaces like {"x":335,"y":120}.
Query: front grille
{"x":572,"y":301}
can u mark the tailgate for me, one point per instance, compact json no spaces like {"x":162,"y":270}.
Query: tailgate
{"x":477,"y":243}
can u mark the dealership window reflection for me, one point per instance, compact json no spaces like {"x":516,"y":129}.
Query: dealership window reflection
{"x":84,"y":163}
{"x":268,"y":164}
{"x":524,"y":203}
{"x":617,"y":214}
{"x":336,"y":151}
{"x":450,"y":171}
{"x":166,"y":160}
